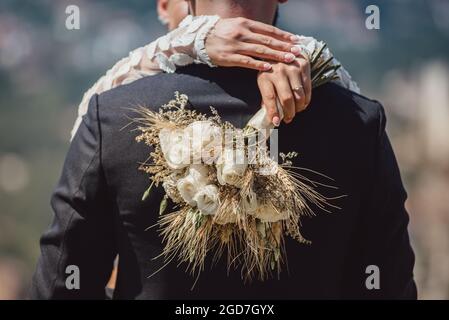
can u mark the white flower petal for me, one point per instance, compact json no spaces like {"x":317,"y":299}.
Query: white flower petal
{"x":207,"y":200}
{"x":191,"y":184}
{"x":230,"y":171}
{"x":175,"y":147}
{"x":206,"y":141}
{"x":187,"y":189}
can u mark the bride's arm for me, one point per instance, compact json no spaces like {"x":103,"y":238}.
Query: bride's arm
{"x":235,"y":42}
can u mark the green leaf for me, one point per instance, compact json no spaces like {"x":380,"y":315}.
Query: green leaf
{"x":199,"y":220}
{"x":163,"y":205}
{"x":147,"y":193}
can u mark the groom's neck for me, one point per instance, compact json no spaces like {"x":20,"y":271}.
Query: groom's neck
{"x":263,"y":11}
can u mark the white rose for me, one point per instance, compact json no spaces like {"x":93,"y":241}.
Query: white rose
{"x":207,"y":200}
{"x":267,"y":213}
{"x":175,"y":147}
{"x":206,"y":138}
{"x":170,"y":137}
{"x":178,"y":157}
{"x":189,"y":186}
{"x":230,"y":170}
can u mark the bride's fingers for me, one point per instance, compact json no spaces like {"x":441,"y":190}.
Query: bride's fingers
{"x":242,"y":61}
{"x":263,"y":52}
{"x":285,"y":95}
{"x":259,"y":27}
{"x":268,"y":94}
{"x":257,"y":38}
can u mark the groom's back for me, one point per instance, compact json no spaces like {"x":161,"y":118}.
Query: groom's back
{"x":339,"y":136}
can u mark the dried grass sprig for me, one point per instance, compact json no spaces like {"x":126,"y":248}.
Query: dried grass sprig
{"x":251,"y":238}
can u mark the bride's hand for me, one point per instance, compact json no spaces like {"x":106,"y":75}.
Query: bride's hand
{"x":291,"y":84}
{"x":240,"y":42}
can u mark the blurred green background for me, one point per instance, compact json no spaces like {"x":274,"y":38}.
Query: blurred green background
{"x":45,"y":69}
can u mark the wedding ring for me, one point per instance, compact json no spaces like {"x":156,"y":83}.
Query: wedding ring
{"x":298,"y":88}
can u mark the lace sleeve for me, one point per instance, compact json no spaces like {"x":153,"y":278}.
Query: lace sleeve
{"x":183,"y":46}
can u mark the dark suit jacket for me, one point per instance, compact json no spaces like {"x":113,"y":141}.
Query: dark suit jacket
{"x":99,"y":212}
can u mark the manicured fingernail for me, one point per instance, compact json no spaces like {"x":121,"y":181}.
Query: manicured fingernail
{"x":294,"y":38}
{"x":267,"y":66}
{"x":289,"y":57}
{"x":295,"y":50}
{"x":276,"y":121}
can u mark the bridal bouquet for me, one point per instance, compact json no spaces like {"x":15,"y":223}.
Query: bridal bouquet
{"x":226,"y":192}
